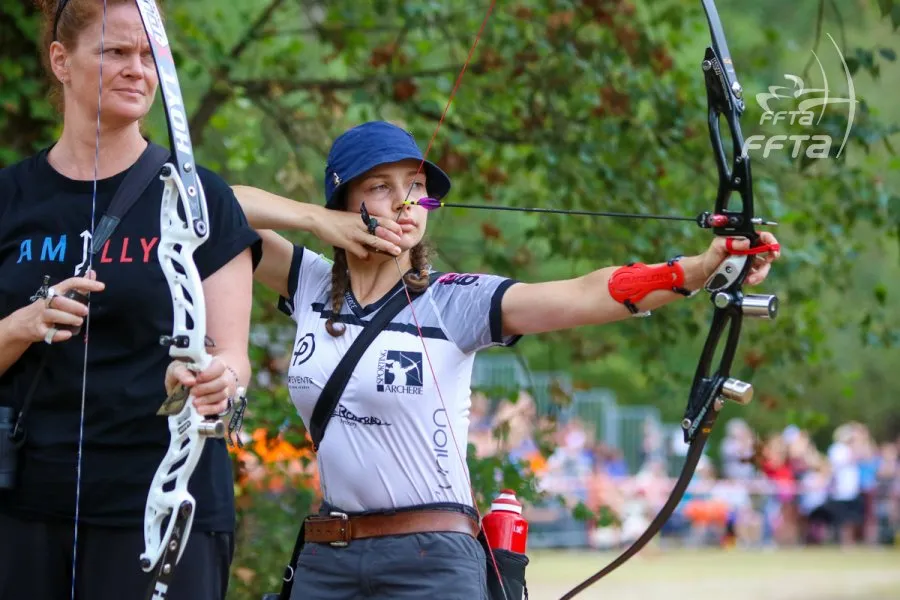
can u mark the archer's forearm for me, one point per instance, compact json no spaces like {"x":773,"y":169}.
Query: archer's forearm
{"x":582,"y":301}
{"x":604,"y":308}
{"x":236,"y":361}
{"x":265,"y":210}
{"x":694,"y":278}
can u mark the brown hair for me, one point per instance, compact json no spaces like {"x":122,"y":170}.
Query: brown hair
{"x":416,"y":280}
{"x":75,"y":17}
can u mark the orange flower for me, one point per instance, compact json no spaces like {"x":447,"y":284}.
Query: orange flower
{"x":273,"y":463}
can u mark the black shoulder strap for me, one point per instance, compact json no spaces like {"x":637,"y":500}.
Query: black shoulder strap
{"x":139,"y":177}
{"x":334,"y":387}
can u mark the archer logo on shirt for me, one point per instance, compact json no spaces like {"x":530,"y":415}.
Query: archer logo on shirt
{"x":303,"y":349}
{"x":399,"y":372}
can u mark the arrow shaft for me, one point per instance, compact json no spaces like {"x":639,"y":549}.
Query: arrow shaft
{"x":560,"y":211}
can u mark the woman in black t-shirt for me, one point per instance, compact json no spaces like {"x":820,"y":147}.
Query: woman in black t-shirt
{"x":94,"y":439}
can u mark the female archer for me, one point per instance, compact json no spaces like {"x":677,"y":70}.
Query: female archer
{"x":72,"y":498}
{"x":392,"y":457}
{"x":83,"y":381}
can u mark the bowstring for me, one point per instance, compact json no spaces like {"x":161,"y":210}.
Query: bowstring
{"x":412,"y":309}
{"x":87,"y":323}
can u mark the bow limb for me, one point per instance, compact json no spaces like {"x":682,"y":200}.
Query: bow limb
{"x":712,"y":385}
{"x":460,"y":455}
{"x":169,"y":512}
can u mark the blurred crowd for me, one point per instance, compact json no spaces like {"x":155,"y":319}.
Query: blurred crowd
{"x":779,"y":489}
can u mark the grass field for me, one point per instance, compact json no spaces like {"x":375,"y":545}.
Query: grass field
{"x":677,"y":574}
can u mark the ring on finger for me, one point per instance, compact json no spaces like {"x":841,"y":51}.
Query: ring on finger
{"x":51,"y":294}
{"x":48,"y":337}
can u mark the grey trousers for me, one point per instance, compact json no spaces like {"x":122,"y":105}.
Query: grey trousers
{"x":435,"y":566}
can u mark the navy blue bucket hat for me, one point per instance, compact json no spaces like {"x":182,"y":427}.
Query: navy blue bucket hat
{"x":371,"y":144}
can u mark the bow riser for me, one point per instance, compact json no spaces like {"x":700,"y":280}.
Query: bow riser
{"x":177,"y":244}
{"x":169,"y":496}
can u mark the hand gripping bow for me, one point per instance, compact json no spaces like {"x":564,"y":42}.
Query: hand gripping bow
{"x":711,"y":388}
{"x":169,"y":513}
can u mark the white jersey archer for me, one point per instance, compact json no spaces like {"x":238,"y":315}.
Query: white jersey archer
{"x":389,"y":443}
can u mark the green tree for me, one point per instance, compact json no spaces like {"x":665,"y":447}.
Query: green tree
{"x":574,"y":104}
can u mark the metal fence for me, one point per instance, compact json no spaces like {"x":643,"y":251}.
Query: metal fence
{"x":623,"y":427}
{"x":636,"y":430}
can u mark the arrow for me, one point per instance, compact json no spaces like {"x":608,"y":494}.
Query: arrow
{"x":704,"y":219}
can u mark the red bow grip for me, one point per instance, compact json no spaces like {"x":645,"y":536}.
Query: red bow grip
{"x":761,"y":249}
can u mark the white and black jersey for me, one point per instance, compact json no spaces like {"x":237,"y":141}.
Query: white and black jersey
{"x":389,"y":443}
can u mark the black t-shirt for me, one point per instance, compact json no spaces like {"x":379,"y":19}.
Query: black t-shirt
{"x":44,"y":227}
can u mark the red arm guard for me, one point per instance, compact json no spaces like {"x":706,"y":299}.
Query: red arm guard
{"x":631,"y":283}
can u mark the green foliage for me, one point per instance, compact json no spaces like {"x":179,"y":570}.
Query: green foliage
{"x":27,"y":119}
{"x":267,"y":532}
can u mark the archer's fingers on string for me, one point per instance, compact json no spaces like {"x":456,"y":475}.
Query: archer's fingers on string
{"x":389,"y":230}
{"x":384,"y":245}
{"x":358,"y":250}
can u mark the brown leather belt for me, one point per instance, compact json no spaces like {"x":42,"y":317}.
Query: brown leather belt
{"x":338,"y":529}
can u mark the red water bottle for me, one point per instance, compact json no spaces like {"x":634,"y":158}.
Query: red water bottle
{"x":504,"y":526}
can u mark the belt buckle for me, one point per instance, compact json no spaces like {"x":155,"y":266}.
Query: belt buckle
{"x":345,"y":529}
